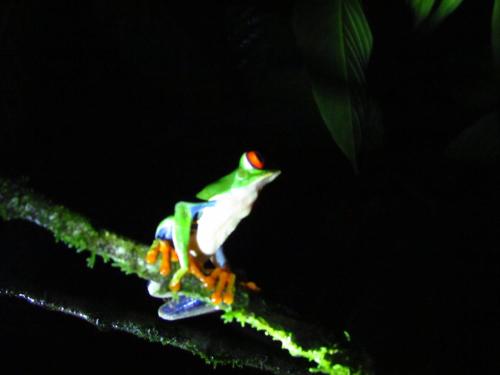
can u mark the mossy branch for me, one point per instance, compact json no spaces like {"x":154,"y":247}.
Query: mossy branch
{"x":299,"y":339}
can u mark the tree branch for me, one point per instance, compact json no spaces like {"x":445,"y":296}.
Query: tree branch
{"x":298,"y":338}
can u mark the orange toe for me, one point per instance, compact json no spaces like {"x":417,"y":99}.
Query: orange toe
{"x":228,"y":297}
{"x":151,"y":256}
{"x":221,"y":284}
{"x":165,"y":250}
{"x":251,"y":285}
{"x":216,"y":298}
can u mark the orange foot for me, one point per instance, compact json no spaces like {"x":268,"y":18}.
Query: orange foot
{"x":221,"y":278}
{"x":224,"y":290}
{"x":168,"y":255}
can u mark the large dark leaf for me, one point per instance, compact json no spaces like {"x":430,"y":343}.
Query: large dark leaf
{"x":336,"y":41}
{"x":495,"y":32}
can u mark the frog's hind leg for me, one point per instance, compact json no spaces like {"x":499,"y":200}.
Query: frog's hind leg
{"x":224,"y":280}
{"x":184,"y":307}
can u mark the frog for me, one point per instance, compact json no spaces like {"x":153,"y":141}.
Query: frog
{"x":195,"y":234}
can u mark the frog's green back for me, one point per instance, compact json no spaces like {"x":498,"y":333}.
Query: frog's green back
{"x":220,"y":186}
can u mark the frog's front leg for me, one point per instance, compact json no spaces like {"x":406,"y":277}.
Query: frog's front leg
{"x":176,"y":229}
{"x":168,"y":255}
{"x":183,"y":218}
{"x":165,"y":248}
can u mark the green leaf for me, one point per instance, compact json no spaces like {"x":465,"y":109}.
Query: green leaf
{"x":434,"y":12}
{"x":495,"y":32}
{"x":444,"y":9}
{"x":421,"y":9}
{"x":335,"y":39}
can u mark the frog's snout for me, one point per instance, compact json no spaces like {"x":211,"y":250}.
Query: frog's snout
{"x":266,"y":177}
{"x":271,"y":176}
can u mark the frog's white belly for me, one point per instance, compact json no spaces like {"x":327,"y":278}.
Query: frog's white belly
{"x":216,"y":223}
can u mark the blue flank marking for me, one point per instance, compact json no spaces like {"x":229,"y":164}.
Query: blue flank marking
{"x":164,"y":233}
{"x":197,"y":207}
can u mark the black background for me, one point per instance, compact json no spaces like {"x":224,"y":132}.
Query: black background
{"x":119,"y":109}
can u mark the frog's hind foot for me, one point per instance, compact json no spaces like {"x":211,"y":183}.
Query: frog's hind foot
{"x":224,"y":289}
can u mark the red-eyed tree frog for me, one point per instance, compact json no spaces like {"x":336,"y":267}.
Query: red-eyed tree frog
{"x":194,"y":235}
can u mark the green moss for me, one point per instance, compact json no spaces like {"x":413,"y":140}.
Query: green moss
{"x":320,"y":355}
{"x":91,"y":260}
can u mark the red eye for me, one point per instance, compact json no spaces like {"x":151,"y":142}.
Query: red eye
{"x":255,"y":159}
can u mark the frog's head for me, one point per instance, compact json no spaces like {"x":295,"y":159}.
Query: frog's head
{"x":250,"y":173}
